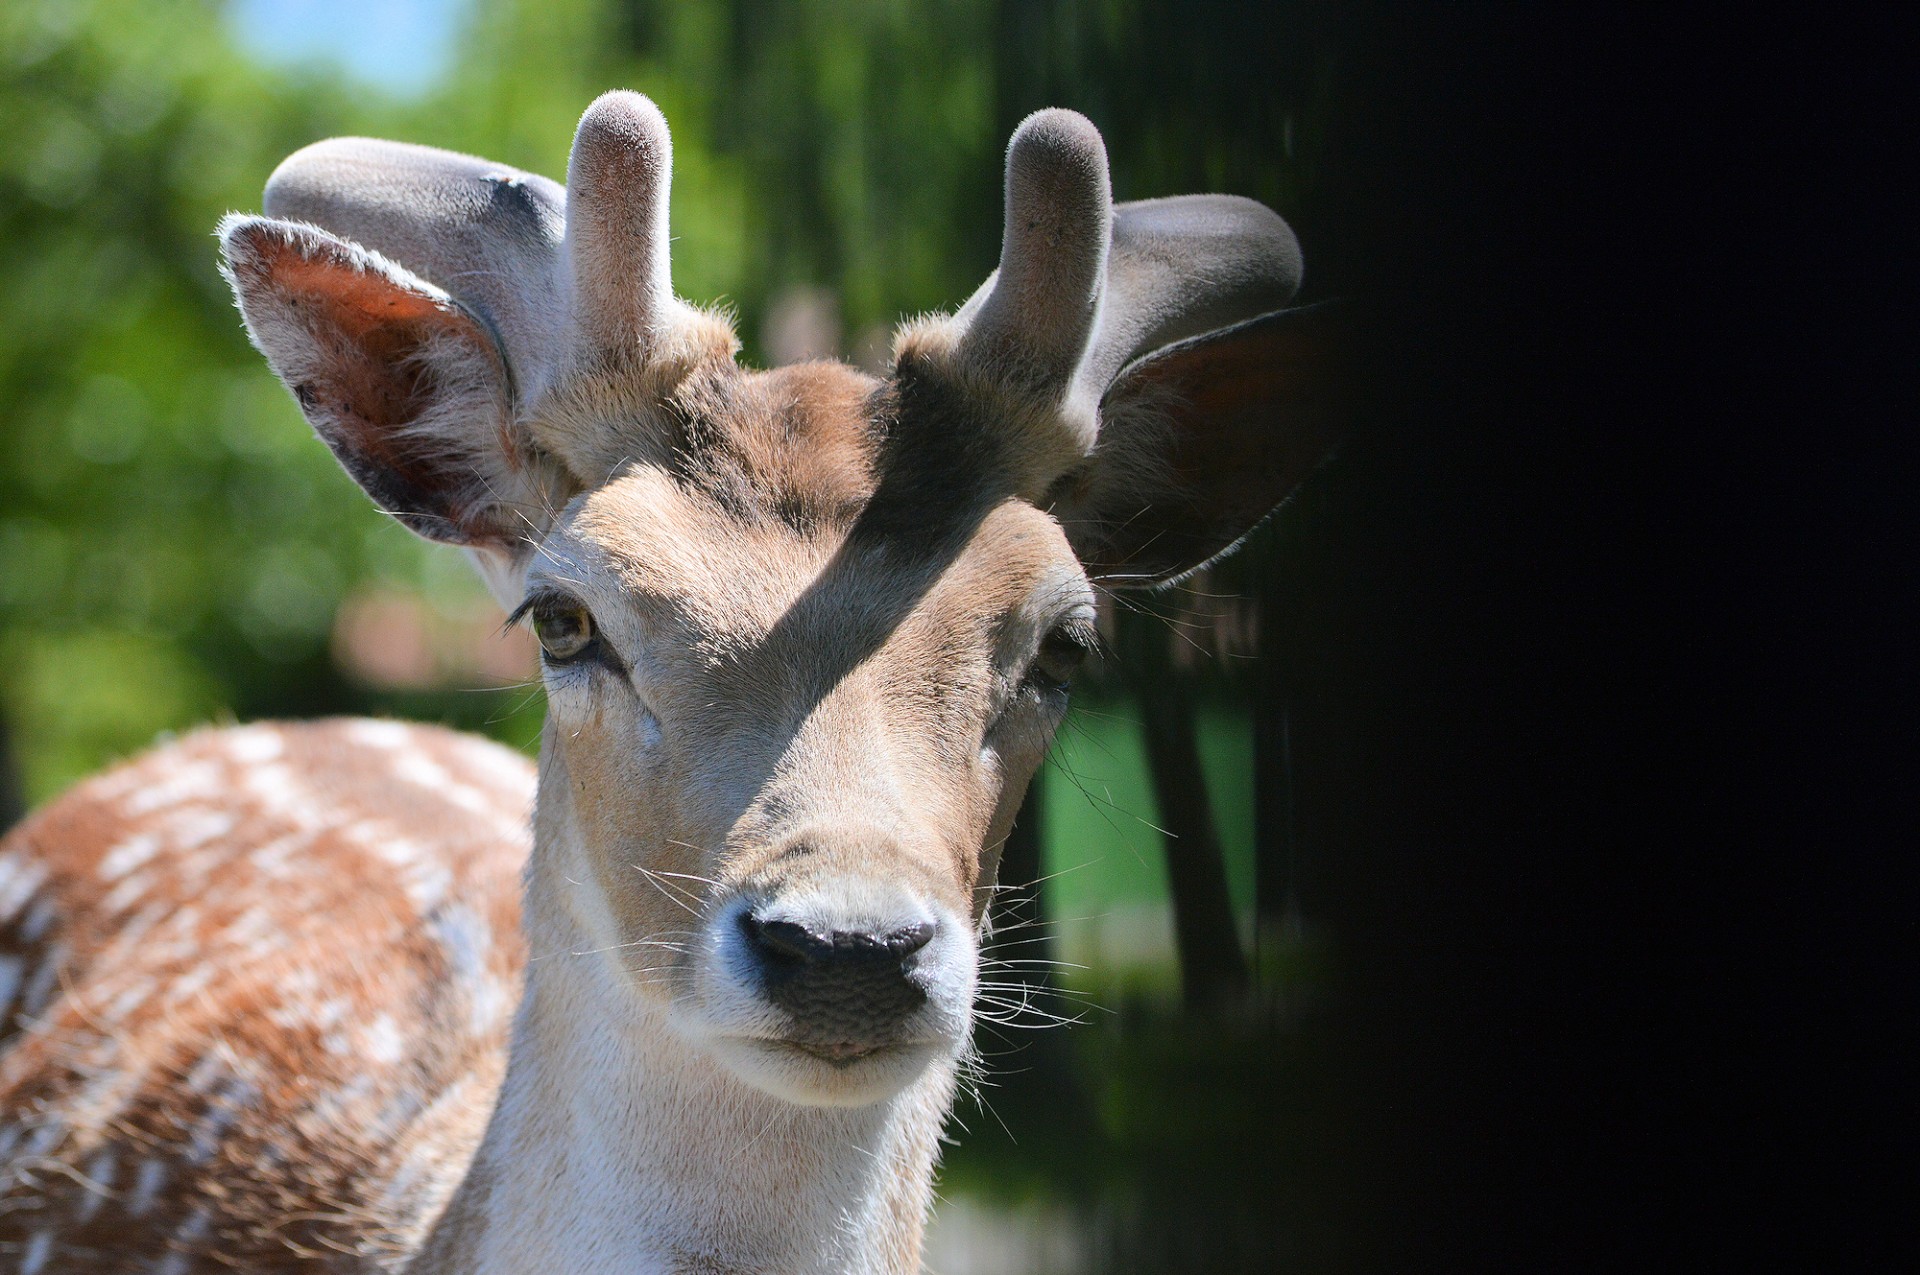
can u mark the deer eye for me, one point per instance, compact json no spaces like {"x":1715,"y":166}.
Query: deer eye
{"x":565,"y":629}
{"x":1063,"y":651}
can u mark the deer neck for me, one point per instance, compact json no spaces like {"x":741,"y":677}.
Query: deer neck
{"x":620,"y":1148}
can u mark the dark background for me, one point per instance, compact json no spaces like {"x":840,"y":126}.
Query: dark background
{"x":1637,"y":926}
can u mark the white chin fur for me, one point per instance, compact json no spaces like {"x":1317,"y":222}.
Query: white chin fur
{"x":800,"y":1078}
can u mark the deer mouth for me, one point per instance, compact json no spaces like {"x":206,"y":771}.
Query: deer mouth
{"x":841,"y":1051}
{"x":845,"y":1073}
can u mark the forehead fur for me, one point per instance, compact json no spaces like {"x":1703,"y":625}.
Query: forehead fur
{"x":813,"y":445}
{"x":816,"y":505}
{"x":730,"y":573}
{"x":800,"y":444}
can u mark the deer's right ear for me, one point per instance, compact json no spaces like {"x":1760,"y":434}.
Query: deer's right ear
{"x":407,"y":387}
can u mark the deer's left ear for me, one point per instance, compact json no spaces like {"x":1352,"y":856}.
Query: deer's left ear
{"x":1199,"y":442}
{"x":407,"y":386}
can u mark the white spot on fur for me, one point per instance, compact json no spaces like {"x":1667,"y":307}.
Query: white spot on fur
{"x":465,"y":938}
{"x":128,"y":855}
{"x":422,"y":875}
{"x":19,"y":878}
{"x":34,"y":1255}
{"x":105,"y":1096}
{"x":186,"y":781}
{"x":205,"y":1072}
{"x":40,"y":982}
{"x":193,"y":828}
{"x":343,"y":1105}
{"x":385,"y":1044}
{"x":369,"y":733}
{"x":134,"y":931}
{"x":426,"y":773}
{"x":497,"y":770}
{"x":146,"y":1186}
{"x":10,"y":970}
{"x":252,"y":745}
{"x":256,"y":928}
{"x":130,"y":999}
{"x":100,"y":1172}
{"x":467,"y":941}
{"x":45,"y":1138}
{"x":126,"y":893}
{"x":204,"y":1141}
{"x":281,"y":794}
{"x":271,"y":859}
{"x":39,"y":920}
{"x":396,"y":1112}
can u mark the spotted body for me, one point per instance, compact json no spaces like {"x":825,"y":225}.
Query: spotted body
{"x":257,"y":986}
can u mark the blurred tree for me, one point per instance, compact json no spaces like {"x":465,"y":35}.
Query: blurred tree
{"x":174,"y":546}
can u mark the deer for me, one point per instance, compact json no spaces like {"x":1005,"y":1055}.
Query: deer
{"x":693,"y":993}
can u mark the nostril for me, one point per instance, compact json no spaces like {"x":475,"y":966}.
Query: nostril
{"x":839,"y":985}
{"x":785,"y":941}
{"x":790,"y":943}
{"x":905,"y":942}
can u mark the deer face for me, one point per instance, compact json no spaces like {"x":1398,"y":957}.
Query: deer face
{"x":789,"y":727}
{"x":806,"y":633}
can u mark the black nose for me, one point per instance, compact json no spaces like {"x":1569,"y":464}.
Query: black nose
{"x":839,"y":985}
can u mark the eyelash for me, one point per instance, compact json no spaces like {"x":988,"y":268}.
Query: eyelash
{"x":596,"y":649}
{"x":1072,"y":642}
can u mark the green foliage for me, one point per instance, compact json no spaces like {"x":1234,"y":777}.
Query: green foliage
{"x":1106,"y":884}
{"x":171,"y":536}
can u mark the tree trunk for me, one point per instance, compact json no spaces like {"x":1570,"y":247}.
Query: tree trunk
{"x":1278,"y":860}
{"x":1213,"y":969}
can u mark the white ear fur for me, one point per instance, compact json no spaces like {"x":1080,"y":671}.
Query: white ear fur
{"x":488,"y":233}
{"x":406,"y":387}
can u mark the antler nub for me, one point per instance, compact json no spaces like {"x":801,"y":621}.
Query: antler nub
{"x":617,"y":240}
{"x":1086,"y":286}
{"x":1031,"y":322}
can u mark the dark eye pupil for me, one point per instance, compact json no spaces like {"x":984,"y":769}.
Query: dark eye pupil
{"x":563,"y":633}
{"x":1060,"y":656}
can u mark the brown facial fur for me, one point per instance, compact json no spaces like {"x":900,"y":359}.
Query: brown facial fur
{"x":826,"y":610}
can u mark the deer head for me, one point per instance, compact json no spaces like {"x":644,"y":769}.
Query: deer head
{"x":806,"y":633}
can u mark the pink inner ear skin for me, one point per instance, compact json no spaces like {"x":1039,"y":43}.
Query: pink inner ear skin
{"x":357,"y":303}
{"x":376,"y":387}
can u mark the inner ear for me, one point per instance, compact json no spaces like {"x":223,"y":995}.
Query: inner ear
{"x":406,"y":387}
{"x":1199,"y":442}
